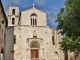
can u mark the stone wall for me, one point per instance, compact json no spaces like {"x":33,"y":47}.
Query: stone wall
{"x":47,"y":50}
{"x":9,"y":44}
{"x":3,"y":25}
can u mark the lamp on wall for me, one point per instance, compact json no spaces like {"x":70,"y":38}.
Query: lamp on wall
{"x":2,"y":21}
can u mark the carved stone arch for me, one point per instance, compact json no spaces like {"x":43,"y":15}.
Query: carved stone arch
{"x":33,"y":14}
{"x":34,"y":44}
{"x":34,"y":48}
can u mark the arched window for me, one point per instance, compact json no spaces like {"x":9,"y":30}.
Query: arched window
{"x":13,"y":20}
{"x":35,"y":22}
{"x":34,"y":45}
{"x":53,"y":42}
{"x":33,"y":19}
{"x":13,"y":12}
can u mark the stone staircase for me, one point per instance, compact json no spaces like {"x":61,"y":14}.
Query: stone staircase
{"x":37,"y":59}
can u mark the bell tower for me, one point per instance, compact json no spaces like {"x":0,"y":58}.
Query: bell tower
{"x":13,"y":16}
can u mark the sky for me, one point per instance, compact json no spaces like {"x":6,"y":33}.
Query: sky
{"x":51,"y":7}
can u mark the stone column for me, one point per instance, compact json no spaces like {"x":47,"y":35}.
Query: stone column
{"x":41,"y":49}
{"x":41,"y":52}
{"x":27,"y":49}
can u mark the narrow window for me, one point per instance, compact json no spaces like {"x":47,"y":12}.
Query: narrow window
{"x":13,"y":12}
{"x":35,"y":22}
{"x":31,"y":21}
{"x":14,"y":39}
{"x":53,"y":42}
{"x":13,"y":20}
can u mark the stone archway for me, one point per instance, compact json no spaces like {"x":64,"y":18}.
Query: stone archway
{"x":34,"y":46}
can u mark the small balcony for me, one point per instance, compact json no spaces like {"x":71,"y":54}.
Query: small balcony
{"x":37,"y":59}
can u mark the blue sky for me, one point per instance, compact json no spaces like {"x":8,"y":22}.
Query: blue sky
{"x":51,"y":7}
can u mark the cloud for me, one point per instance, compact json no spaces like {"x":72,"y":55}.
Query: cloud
{"x":49,"y":12}
{"x":41,"y":2}
{"x":56,"y":9}
{"x":51,"y":16}
{"x":16,"y":1}
{"x":25,"y":5}
{"x":10,"y":2}
{"x":51,"y":20}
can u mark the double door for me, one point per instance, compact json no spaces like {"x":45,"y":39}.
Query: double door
{"x":34,"y":53}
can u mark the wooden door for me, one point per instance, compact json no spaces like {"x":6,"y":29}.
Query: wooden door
{"x":34,"y":53}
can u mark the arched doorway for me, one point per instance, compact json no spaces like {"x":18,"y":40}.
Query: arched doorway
{"x":34,"y":46}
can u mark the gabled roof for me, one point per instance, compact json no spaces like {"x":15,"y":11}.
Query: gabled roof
{"x":3,"y":12}
{"x":35,"y":9}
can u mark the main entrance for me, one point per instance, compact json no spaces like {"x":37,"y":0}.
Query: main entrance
{"x":34,"y":53}
{"x":34,"y":49}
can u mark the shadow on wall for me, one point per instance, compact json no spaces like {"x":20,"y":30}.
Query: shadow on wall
{"x":9,"y":44}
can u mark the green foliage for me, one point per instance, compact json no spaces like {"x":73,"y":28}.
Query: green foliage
{"x":70,"y":44}
{"x":69,"y":22}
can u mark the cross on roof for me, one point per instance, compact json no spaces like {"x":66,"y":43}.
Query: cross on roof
{"x":33,"y":5}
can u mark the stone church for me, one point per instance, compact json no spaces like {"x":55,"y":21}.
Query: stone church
{"x":29,"y":38}
{"x":3,"y":25}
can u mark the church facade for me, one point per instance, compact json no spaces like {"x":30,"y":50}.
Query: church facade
{"x":29,"y":38}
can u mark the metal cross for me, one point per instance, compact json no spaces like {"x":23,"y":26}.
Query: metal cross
{"x":33,"y":5}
